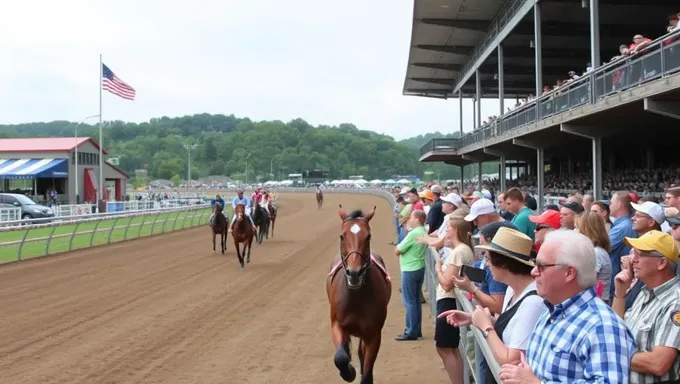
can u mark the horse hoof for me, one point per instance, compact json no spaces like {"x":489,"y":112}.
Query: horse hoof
{"x":347,"y":371}
{"x":242,"y":266}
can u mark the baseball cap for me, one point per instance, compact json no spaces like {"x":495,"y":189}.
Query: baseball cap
{"x":673,"y":220}
{"x":403,"y":191}
{"x":574,"y":206}
{"x":651,"y":209}
{"x":656,"y":241}
{"x":480,"y":207}
{"x":548,"y":218}
{"x":486,"y":194}
{"x":437,"y":189}
{"x":427,"y":194}
{"x":452,"y":198}
{"x":475,"y":194}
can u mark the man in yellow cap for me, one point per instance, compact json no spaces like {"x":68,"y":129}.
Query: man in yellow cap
{"x":654,"y":318}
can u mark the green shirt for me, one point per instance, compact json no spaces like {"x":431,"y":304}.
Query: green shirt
{"x":412,"y":253}
{"x":523,"y":224}
{"x":404,"y":211}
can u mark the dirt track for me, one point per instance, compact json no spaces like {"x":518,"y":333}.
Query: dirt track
{"x":168,"y":310}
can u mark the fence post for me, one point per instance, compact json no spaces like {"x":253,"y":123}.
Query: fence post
{"x":21,"y":246}
{"x":154,"y":223}
{"x":127,"y":227}
{"x":113,"y":228}
{"x":94,"y":231}
{"x":49,"y":239}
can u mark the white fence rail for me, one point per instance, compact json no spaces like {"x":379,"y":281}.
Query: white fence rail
{"x":31,"y":241}
{"x":10,"y":214}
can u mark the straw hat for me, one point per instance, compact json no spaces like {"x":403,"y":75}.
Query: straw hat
{"x":511,"y":243}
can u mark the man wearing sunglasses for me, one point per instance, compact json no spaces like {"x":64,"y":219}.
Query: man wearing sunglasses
{"x":654,"y":318}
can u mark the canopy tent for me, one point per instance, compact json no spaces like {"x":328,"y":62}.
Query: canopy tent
{"x":376,"y":181}
{"x":33,"y":168}
{"x":390,"y":181}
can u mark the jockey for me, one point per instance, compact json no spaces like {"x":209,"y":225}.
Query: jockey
{"x":240,"y":199}
{"x":217,"y":200}
{"x":318,"y":188}
{"x":257,"y":196}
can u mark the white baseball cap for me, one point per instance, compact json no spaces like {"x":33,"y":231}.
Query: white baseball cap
{"x":404,"y":191}
{"x":653,"y":210}
{"x":480,"y":207}
{"x":453,"y":198}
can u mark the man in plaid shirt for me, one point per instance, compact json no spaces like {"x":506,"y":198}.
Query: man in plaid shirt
{"x":580,"y":339}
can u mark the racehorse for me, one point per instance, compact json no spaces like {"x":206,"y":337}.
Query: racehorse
{"x":319,"y":199}
{"x":219,"y":226}
{"x":358,"y":297}
{"x":261,"y":220}
{"x":272,"y":217}
{"x":243,"y":234}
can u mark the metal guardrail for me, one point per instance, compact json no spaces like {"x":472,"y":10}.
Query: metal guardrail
{"x":19,"y":243}
{"x":661,"y":58}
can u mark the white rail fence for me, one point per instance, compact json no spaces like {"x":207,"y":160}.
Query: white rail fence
{"x":10,"y":214}
{"x":30,"y":241}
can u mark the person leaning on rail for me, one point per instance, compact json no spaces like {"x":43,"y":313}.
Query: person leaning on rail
{"x":509,"y":256}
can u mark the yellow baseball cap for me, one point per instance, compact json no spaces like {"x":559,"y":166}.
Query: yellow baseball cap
{"x":656,"y":241}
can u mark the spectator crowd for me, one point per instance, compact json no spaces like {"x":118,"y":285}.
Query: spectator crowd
{"x":582,"y":292}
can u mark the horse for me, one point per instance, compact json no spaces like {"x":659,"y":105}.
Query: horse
{"x":219,"y":226}
{"x":261,"y":220}
{"x":243,"y":234}
{"x":272,"y":217}
{"x":358,"y":297}
{"x":319,"y":199}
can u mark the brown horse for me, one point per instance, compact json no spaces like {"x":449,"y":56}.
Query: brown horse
{"x":358,"y":296}
{"x":272,"y":216}
{"x":243,"y":234}
{"x":319,"y":199}
{"x":219,"y":226}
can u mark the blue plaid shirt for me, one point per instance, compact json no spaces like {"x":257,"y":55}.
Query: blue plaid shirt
{"x":581,"y":340}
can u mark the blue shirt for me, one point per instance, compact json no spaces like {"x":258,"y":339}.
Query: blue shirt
{"x":621,"y":227}
{"x":220,"y":202}
{"x":581,"y":340}
{"x":489,"y":285}
{"x":244,"y":200}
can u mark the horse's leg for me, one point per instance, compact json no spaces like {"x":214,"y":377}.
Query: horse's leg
{"x":214,"y":238}
{"x":343,"y":355}
{"x":223,"y":240}
{"x":238,"y":253}
{"x":249,"y":245}
{"x":362,"y":355}
{"x":371,"y":348}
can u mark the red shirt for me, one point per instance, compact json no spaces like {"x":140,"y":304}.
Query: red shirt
{"x":418,"y":205}
{"x":256,"y":197}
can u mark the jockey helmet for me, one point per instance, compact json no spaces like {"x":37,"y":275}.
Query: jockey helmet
{"x":239,"y":190}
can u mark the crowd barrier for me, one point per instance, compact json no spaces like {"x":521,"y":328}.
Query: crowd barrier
{"x":29,"y":241}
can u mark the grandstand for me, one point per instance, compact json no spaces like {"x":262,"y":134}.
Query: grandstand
{"x":585,"y":115}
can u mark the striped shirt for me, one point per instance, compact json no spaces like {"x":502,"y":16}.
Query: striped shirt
{"x":581,"y":340}
{"x":654,"y":319}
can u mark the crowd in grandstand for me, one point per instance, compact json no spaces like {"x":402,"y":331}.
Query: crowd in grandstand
{"x":582,"y":292}
{"x":635,"y":48}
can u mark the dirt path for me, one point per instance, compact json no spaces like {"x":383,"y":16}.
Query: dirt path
{"x":168,"y":310}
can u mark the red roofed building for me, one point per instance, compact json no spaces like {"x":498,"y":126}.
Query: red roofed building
{"x":50,"y":163}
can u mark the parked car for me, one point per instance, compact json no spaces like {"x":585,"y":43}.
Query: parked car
{"x":29,"y":208}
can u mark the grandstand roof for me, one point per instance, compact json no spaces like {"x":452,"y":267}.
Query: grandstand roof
{"x":445,"y":33}
{"x":45,"y":144}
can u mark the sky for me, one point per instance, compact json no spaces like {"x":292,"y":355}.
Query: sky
{"x":325,"y":62}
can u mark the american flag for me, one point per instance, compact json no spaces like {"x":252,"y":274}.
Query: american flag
{"x":115,"y":85}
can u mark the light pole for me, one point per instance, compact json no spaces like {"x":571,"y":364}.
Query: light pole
{"x":271,"y":168}
{"x":247,"y":167}
{"x":189,"y":147}
{"x":75,"y":130}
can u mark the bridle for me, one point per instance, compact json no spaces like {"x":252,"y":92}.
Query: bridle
{"x":366,"y":259}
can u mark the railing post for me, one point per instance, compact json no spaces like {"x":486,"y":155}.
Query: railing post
{"x":113,"y":228}
{"x":73,"y":235}
{"x":94,"y":231}
{"x":49,"y":239}
{"x":21,"y":245}
{"x":153,"y":226}
{"x":127,"y":227}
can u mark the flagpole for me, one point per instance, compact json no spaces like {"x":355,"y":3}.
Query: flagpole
{"x":100,"y":190}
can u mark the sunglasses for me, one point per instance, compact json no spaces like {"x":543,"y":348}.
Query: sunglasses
{"x":540,"y":267}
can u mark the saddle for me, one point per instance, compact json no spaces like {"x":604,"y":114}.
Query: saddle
{"x":338,"y":266}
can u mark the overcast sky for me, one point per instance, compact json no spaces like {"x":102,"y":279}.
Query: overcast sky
{"x":326,"y":62}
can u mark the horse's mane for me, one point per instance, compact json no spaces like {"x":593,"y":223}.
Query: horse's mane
{"x":356,"y":214}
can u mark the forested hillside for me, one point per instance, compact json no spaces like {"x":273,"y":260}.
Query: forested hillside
{"x":222,"y":144}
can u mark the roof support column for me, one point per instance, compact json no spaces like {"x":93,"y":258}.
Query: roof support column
{"x":501,"y":91}
{"x":462,"y":180}
{"x":479,"y":174}
{"x":597,"y":153}
{"x":460,"y":111}
{"x":594,"y":34}
{"x":538,"y":49}
{"x":474,"y":113}
{"x":540,"y":168}
{"x":478,"y":96}
{"x":501,"y":165}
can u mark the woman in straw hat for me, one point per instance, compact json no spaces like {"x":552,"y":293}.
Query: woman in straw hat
{"x":510,"y":260}
{"x":447,"y":336}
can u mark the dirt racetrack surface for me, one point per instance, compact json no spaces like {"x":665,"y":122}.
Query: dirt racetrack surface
{"x":167,"y":309}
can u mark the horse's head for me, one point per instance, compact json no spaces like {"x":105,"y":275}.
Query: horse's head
{"x":218,"y":208}
{"x":239,"y":211}
{"x":355,"y":245}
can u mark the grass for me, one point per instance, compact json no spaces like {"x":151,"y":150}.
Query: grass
{"x":64,"y":238}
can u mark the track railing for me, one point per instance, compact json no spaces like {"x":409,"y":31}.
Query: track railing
{"x":19,"y":243}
